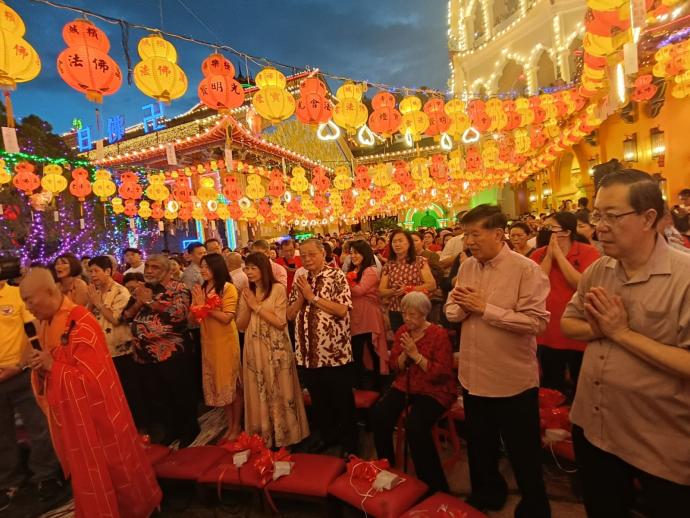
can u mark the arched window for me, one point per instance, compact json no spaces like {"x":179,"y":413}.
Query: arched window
{"x":504,"y":9}
{"x":477,"y":23}
{"x":513,"y":79}
{"x":546,"y":71}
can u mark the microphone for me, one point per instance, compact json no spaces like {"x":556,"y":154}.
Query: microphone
{"x":30,"y":330}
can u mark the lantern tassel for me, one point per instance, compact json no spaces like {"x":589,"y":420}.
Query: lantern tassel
{"x":98,"y":121}
{"x":9,"y":110}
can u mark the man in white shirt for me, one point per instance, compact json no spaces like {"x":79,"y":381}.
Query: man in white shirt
{"x":133,"y":261}
{"x":239,"y":278}
{"x":453,"y":248}
{"x":279,"y":272}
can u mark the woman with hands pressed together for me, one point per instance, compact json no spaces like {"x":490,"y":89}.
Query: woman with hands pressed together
{"x":404,"y":272}
{"x":567,"y":255}
{"x":422,"y":359}
{"x":273,"y":403}
{"x":214,"y":305}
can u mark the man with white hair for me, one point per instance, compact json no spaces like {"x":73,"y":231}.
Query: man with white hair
{"x":158,"y":313}
{"x":91,"y":426}
{"x":320,"y":304}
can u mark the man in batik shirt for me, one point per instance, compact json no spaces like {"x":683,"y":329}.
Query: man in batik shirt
{"x":158,"y":313}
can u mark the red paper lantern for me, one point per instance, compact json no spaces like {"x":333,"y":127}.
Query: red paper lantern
{"x":129,"y":188}
{"x":85,"y":64}
{"x":645,"y":89}
{"x":385,"y":119}
{"x":439,"y":122}
{"x":276,"y":186}
{"x":25,"y":179}
{"x":473,"y":159}
{"x":181,"y":190}
{"x":362,"y":179}
{"x":80,"y":186}
{"x":319,"y":180}
{"x":131,"y":209}
{"x":312,"y":105}
{"x":231,"y":189}
{"x":218,"y":89}
{"x":235,"y":211}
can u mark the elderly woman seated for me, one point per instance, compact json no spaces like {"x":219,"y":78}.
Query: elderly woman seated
{"x":425,"y":383}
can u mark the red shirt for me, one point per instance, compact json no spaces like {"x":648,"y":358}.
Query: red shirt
{"x":580,"y":256}
{"x":291,"y":266}
{"x":439,"y":381}
{"x":433,"y":247}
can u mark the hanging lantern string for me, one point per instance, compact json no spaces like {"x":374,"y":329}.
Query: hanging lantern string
{"x":258,"y":60}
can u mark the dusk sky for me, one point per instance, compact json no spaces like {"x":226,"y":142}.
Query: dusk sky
{"x":398,"y":42}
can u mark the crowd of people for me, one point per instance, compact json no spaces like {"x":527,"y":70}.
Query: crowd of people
{"x":592,"y":303}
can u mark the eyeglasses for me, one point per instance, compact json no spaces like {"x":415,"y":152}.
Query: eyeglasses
{"x":553,"y":228}
{"x":608,"y":218}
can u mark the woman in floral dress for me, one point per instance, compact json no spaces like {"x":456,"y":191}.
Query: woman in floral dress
{"x":273,"y":404}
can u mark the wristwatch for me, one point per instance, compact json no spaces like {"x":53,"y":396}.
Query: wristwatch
{"x":315,"y":299}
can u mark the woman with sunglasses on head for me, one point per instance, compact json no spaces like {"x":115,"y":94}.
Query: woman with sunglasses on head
{"x":567,"y":255}
{"x":67,"y":270}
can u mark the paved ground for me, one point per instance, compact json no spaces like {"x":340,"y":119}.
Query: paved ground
{"x":183,"y":502}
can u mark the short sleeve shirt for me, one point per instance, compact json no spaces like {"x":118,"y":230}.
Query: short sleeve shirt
{"x":117,"y":336}
{"x":625,"y":404}
{"x":402,"y":273}
{"x":322,"y":339}
{"x":580,"y":256}
{"x":159,"y":334}
{"x":13,"y":316}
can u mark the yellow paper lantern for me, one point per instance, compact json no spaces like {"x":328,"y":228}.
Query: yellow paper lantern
{"x":118,"y":207}
{"x":157,"y":74}
{"x":52,"y":180}
{"x":157,"y":190}
{"x":274,"y":104}
{"x":254,"y":188}
{"x":103,"y":186}
{"x":19,"y":62}
{"x":144,"y":209}
{"x":350,"y":113}
{"x":414,"y":121}
{"x":270,"y":77}
{"x":5,"y":175}
{"x":298,"y":182}
{"x":206,"y":191}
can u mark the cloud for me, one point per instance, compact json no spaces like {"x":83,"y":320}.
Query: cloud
{"x":399,"y":42}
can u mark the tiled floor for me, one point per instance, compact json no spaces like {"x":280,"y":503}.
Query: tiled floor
{"x":184,"y":504}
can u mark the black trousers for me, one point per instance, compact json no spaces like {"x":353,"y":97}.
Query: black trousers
{"x":516,"y":420}
{"x":333,"y":404}
{"x":359,"y":342}
{"x":396,"y":320}
{"x":423,"y":413}
{"x":170,"y":385}
{"x":607,"y":485}
{"x":554,"y":363}
{"x":126,"y":369}
{"x":16,"y":396}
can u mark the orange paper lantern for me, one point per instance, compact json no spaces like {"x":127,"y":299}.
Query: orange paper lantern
{"x":85,"y":64}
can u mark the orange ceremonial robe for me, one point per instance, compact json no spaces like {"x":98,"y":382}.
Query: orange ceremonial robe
{"x":90,"y":423}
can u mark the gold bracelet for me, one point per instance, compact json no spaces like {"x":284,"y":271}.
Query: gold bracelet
{"x":419,"y":361}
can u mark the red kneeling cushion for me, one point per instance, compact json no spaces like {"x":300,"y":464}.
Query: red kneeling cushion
{"x":564,"y":450}
{"x":310,"y":476}
{"x":386,"y":504}
{"x":365,"y":398}
{"x":444,"y":502}
{"x":156,"y":452}
{"x":225,"y":472}
{"x":188,"y":463}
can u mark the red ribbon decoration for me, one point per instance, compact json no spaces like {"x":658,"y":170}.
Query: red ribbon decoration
{"x":245,"y":442}
{"x":264,"y":464}
{"x":201,"y":312}
{"x":362,"y":473}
